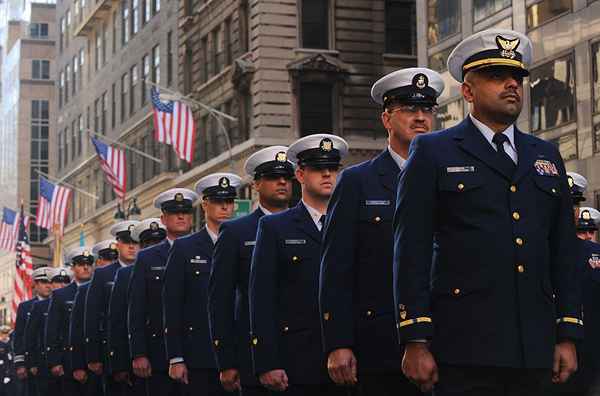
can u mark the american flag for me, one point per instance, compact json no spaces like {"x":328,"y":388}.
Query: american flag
{"x":112,"y":161}
{"x":53,"y":205}
{"x":174,"y":125}
{"x":23,"y":266}
{"x":9,"y":229}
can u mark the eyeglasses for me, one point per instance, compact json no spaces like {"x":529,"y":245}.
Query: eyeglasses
{"x":413,"y":109}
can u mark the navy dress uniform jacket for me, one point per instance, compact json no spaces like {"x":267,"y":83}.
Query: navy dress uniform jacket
{"x":483,"y":262}
{"x":117,"y":335}
{"x":34,"y":337}
{"x":356,"y":292}
{"x":145,"y":312}
{"x":283,"y":291}
{"x":96,"y":309}
{"x":57,"y":325}
{"x":76,"y":340}
{"x":228,"y":295}
{"x":185,"y":301}
{"x":590,"y":271}
{"x":23,"y":312}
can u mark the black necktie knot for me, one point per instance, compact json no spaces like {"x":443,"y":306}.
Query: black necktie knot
{"x":499,"y":139}
{"x":322,"y":220}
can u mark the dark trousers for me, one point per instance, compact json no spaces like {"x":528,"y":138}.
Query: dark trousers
{"x":384,"y":384}
{"x":159,"y":384}
{"x":204,"y":382}
{"x":92,"y":387}
{"x":491,"y":381}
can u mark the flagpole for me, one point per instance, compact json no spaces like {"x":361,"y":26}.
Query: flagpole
{"x":52,"y":179}
{"x":57,"y":246}
{"x":217,"y":114}
{"x":111,"y":141}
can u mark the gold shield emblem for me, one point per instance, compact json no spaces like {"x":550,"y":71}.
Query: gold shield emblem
{"x":224,"y":182}
{"x":507,"y":46}
{"x":179,"y":197}
{"x":113,"y":246}
{"x":281,"y":157}
{"x":85,"y":253}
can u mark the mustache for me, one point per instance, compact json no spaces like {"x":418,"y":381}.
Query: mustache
{"x":506,"y":94}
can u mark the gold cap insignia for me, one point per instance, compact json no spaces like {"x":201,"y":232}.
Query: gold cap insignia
{"x":402,"y":315}
{"x":420,"y":81}
{"x":179,"y":197}
{"x":585,"y":215}
{"x":154,"y":226}
{"x":63,"y":273}
{"x":113,"y":246}
{"x":224,"y":182}
{"x":326,"y":145}
{"x":507,"y":46}
{"x":571,"y":182}
{"x":85,"y":253}
{"x":281,"y":157}
{"x":131,"y":227}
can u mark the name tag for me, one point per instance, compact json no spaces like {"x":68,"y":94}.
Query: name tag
{"x":460,"y":169}
{"x":295,"y":241}
{"x":375,"y":202}
{"x":249,"y":243}
{"x":198,"y":260}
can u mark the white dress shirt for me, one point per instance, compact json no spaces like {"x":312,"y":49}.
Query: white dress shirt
{"x":397,"y":158}
{"x":314,"y":214}
{"x":212,"y":235}
{"x":265,"y":211}
{"x":488,"y":134}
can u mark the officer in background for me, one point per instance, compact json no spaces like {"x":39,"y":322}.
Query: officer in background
{"x":484,"y":271}
{"x":25,"y":384}
{"x":37,"y":362}
{"x":89,"y":384}
{"x":5,"y":362}
{"x":587,"y":224}
{"x":187,"y":337}
{"x":272,"y":177}
{"x":96,"y":304}
{"x":145,"y":313}
{"x":56,"y":333}
{"x":284,"y":277}
{"x":147,"y":233}
{"x":355,"y":290}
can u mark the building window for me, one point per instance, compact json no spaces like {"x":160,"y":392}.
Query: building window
{"x":155,"y":6}
{"x":104,"y":29}
{"x":73,"y":139}
{"x":124,"y":22}
{"x":205,"y":60}
{"x":449,"y":115}
{"x":40,"y":69}
{"x":552,"y":94}
{"x":169,"y":59}
{"x":133,"y":75}
{"x":97,"y":50}
{"x":39,"y":156}
{"x":75,"y":63}
{"x":135,"y":16}
{"x":316,"y":108}
{"x":61,"y":88}
{"x":484,"y":8}
{"x":38,"y":30}
{"x":67,"y":80}
{"x":216,"y":52}
{"x":124,"y":84}
{"x":546,"y":10}
{"x":97,"y":116}
{"x":595,"y":55}
{"x":61,"y":39}
{"x":114,"y":32}
{"x":244,"y":26}
{"x":145,"y":76}
{"x":443,"y":19}
{"x":81,"y":64}
{"x":227,"y":41}
{"x":146,"y":10}
{"x":113,"y":106}
{"x":156,"y":64}
{"x":188,"y":62}
{"x":66,"y":139}
{"x":67,"y":27}
{"x":60,"y":149}
{"x":400,"y":27}
{"x":315,"y":24}
{"x":80,"y":134}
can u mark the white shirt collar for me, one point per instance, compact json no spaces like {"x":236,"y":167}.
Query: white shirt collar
{"x":264,"y":210}
{"x":489,"y":134}
{"x":122,"y":264}
{"x":40,"y":298}
{"x":213,"y":236}
{"x":397,"y":158}
{"x":314,"y":214}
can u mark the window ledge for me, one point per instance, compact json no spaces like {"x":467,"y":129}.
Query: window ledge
{"x":399,"y":56}
{"x":317,"y":51}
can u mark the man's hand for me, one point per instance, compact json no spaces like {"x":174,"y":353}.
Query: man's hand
{"x":565,"y":361}
{"x":122,"y":377}
{"x":230,"y":379}
{"x":57,"y":370}
{"x":179,"y":372}
{"x":80,"y":376}
{"x":95,"y":367}
{"x":275,"y":380}
{"x":33,"y":371}
{"x":21,"y":373}
{"x":142,"y":367}
{"x":418,"y":365}
{"x":341,"y":365}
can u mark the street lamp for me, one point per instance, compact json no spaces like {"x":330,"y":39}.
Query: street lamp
{"x":132,"y":211}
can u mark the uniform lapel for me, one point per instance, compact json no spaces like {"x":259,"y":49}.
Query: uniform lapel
{"x":388,"y":170}
{"x":205,"y":242}
{"x":305,"y":222}
{"x":526,"y":154}
{"x":473,"y":142}
{"x":163,"y":250}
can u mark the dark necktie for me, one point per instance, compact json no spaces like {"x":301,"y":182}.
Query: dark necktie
{"x":507,"y":163}
{"x":322,"y":221}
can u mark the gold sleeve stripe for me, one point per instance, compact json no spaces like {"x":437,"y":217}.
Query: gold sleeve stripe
{"x":413,"y":321}
{"x":570,"y":320}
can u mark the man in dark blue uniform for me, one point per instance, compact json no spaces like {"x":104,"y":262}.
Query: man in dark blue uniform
{"x":284,"y":277}
{"x":5,"y":362}
{"x":484,"y":271}
{"x":145,"y":313}
{"x":25,"y":383}
{"x":228,"y":284}
{"x":96,"y":305}
{"x":147,"y":233}
{"x":56,"y":333}
{"x":191,"y":359}
{"x":355,"y":289}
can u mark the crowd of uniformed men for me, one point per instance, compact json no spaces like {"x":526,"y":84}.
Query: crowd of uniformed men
{"x":448,"y":263}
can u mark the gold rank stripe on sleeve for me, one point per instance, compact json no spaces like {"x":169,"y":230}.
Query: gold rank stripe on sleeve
{"x":567,"y":319}
{"x":409,"y":322}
